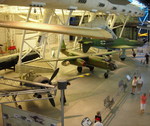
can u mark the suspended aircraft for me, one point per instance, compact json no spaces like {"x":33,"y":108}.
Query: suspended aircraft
{"x":118,"y":43}
{"x":38,"y":86}
{"x":105,"y":6}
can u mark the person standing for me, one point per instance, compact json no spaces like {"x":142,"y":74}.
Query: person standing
{"x":98,"y":116}
{"x":143,"y":102}
{"x":134,"y":83}
{"x":147,"y":58}
{"x":139,"y":84}
{"x":98,"y":123}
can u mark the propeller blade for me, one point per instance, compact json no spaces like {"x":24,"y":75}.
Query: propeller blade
{"x":54,"y":74}
{"x":80,"y":76}
{"x":51,"y":99}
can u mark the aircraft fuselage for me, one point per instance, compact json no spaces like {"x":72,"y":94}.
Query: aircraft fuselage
{"x":87,"y":60}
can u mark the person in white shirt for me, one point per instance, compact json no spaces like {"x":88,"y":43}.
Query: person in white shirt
{"x":134,"y":84}
{"x":139,"y":84}
{"x":98,"y":123}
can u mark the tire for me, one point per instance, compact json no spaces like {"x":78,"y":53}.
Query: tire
{"x":79,"y":69}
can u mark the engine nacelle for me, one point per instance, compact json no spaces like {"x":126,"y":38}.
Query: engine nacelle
{"x":65,"y":63}
{"x":80,"y":62}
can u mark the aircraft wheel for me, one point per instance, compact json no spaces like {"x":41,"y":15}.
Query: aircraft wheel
{"x":19,"y":106}
{"x":106,"y":75}
{"x":134,"y":54}
{"x":37,"y":95}
{"x":91,"y":68}
{"x":122,"y":59}
{"x":79,"y":69}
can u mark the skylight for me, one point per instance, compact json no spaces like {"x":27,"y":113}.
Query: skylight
{"x":137,"y":3}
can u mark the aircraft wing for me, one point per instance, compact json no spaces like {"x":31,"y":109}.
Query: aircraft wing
{"x":64,"y":58}
{"x":106,"y":53}
{"x":61,"y":29}
{"x":10,"y":92}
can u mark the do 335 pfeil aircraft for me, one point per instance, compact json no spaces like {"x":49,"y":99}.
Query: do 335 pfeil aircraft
{"x":111,"y":44}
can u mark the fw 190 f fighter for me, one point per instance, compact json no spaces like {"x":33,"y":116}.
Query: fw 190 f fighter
{"x":111,"y":44}
{"x":85,"y":60}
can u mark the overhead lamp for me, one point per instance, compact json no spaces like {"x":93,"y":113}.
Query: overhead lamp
{"x":72,"y":8}
{"x":94,"y":10}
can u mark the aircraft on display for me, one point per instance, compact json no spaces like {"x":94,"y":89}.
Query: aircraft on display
{"x":37,"y":85}
{"x":119,"y":43}
{"x":80,"y":60}
{"x":105,"y":6}
{"x":9,"y":62}
{"x":93,"y":6}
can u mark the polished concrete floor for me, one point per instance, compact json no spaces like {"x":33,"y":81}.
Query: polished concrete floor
{"x":85,"y":96}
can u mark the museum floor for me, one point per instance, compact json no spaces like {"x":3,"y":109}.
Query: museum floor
{"x":85,"y":96}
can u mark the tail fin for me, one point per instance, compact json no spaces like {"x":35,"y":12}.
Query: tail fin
{"x":85,"y":46}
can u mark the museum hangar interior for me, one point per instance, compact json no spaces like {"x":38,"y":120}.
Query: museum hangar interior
{"x":61,"y":62}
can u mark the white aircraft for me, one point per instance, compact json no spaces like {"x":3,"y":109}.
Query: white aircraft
{"x":89,"y":5}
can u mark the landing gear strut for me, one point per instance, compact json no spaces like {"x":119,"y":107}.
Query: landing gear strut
{"x":91,"y":68}
{"x":106,"y":74}
{"x":133,"y":53}
{"x":123,"y":55}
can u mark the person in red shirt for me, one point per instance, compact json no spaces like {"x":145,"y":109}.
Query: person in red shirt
{"x":143,"y":102}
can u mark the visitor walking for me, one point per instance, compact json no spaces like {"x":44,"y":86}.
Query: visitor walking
{"x":143,"y":102}
{"x":134,"y":83}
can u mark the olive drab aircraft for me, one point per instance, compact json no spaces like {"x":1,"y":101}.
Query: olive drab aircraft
{"x":90,"y":61}
{"x":81,"y":60}
{"x":111,"y":44}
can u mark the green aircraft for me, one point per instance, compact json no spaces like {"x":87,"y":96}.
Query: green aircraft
{"x":81,"y":59}
{"x":111,"y":44}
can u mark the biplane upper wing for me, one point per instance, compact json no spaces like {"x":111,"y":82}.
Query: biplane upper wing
{"x":62,"y":29}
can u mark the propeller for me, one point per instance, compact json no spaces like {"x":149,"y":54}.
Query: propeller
{"x":54,"y":74}
{"x":48,"y":93}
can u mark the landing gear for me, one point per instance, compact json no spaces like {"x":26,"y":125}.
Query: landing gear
{"x":134,"y":54}
{"x":122,"y":59}
{"x":123,"y":55}
{"x":106,"y":74}
{"x":79,"y":69}
{"x":16,"y":104}
{"x":91,"y":68}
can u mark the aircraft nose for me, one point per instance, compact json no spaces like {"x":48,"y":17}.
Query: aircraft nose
{"x":112,"y":66}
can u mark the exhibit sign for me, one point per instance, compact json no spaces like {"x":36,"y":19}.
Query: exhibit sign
{"x":18,"y":117}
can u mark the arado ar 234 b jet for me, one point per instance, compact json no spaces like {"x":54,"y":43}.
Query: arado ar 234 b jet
{"x":80,"y":60}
